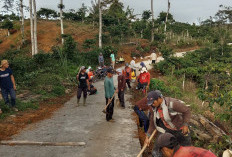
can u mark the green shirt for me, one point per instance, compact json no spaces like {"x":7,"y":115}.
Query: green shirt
{"x":112,"y":57}
{"x":109,"y":87}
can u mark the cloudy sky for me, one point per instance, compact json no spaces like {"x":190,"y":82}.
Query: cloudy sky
{"x":183,"y":10}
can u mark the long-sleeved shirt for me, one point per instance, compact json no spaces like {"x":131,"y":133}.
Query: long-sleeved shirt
{"x":133,"y":65}
{"x":109,"y":87}
{"x":153,"y":56}
{"x":100,"y":59}
{"x":121,"y":82}
{"x":180,"y":114}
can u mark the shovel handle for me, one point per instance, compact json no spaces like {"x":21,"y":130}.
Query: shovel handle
{"x":145,"y":145}
{"x":110,"y":100}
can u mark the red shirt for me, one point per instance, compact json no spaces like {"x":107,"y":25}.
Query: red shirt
{"x":144,"y":78}
{"x":193,"y":152}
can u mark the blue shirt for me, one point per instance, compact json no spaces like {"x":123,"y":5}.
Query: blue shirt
{"x":112,"y":57}
{"x":109,"y":87}
{"x":5,"y":79}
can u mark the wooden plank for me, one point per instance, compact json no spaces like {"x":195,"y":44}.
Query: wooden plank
{"x":12,"y":143}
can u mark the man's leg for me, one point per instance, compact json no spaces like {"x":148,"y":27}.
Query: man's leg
{"x":79,"y":91}
{"x":128,"y":83}
{"x":85,"y":95}
{"x":107,"y":110}
{"x":5,"y":96}
{"x":122,"y":99}
{"x":13,"y":97}
{"x":111,"y":108}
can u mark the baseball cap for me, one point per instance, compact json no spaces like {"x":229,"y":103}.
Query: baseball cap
{"x":166,"y":140}
{"x":152,"y":96}
{"x":83,"y":67}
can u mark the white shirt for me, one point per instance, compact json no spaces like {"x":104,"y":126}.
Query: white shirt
{"x":153,"y":56}
{"x":132,"y":64}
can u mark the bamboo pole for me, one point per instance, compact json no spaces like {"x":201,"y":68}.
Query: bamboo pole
{"x":35,"y":143}
{"x":104,"y":111}
{"x":145,"y":145}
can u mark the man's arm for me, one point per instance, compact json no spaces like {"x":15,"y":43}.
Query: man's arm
{"x":106,"y":85}
{"x":13,"y":81}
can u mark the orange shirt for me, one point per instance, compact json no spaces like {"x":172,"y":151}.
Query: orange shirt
{"x":90,"y":74}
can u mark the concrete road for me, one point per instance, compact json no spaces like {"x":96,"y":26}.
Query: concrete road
{"x":82,"y":124}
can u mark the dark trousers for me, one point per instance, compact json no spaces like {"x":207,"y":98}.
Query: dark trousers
{"x":92,"y":91}
{"x":153,"y":61}
{"x":142,"y":86}
{"x":6,"y":93}
{"x":79,"y":92}
{"x":128,"y":83}
{"x":143,"y":119}
{"x":110,"y":109}
{"x":121,"y":98}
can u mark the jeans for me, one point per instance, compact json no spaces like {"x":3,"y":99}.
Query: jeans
{"x":110,"y":109}
{"x":121,"y":98}
{"x":79,"y":92}
{"x":5,"y":93}
{"x":143,"y":119}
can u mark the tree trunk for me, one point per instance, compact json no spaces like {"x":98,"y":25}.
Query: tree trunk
{"x":22,"y":20}
{"x":32,"y":29}
{"x":100,"y":24}
{"x":166,"y":20}
{"x":35,"y":27}
{"x":61,"y":20}
{"x":152,"y":16}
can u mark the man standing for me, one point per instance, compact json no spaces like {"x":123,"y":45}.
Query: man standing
{"x":7,"y":83}
{"x":83,"y":86}
{"x":101,"y":60}
{"x":121,"y":87}
{"x":112,"y":59}
{"x":169,"y":115}
{"x":153,"y":57}
{"x":169,"y":146}
{"x":127,"y":74}
{"x":109,"y":93}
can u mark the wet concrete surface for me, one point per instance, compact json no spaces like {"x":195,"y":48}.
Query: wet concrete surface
{"x":82,"y":124}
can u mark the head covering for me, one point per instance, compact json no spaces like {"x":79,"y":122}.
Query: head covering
{"x":166,"y":140}
{"x":119,"y":71}
{"x":144,"y":70}
{"x":83,"y":67}
{"x":110,"y":70}
{"x":134,"y":57}
{"x":126,"y":64}
{"x":142,"y":64}
{"x":152,"y":96}
{"x":3,"y":62}
{"x":100,"y":54}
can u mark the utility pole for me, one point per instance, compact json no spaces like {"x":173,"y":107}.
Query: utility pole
{"x":165,"y":27}
{"x":61,"y":6}
{"x":152,"y":16}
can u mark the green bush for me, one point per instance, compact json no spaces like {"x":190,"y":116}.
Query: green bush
{"x":58,"y":90}
{"x":89,"y":43}
{"x":158,"y":85}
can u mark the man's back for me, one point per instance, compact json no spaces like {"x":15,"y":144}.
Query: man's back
{"x":193,"y":152}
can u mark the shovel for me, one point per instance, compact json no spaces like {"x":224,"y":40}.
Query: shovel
{"x":104,"y":111}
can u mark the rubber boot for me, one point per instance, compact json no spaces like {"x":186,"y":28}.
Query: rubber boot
{"x":84,"y":101}
{"x":78,"y":101}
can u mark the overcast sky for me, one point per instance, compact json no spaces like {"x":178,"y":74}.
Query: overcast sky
{"x":183,"y":10}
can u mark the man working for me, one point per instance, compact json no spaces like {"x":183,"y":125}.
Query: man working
{"x":168,"y":115}
{"x":83,"y":85}
{"x":143,"y":79}
{"x":169,"y":146}
{"x":109,"y":92}
{"x":121,"y":87}
{"x":127,"y":74}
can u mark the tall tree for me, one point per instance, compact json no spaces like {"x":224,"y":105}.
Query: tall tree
{"x":82,"y":12}
{"x":35,"y":27}
{"x":32,"y":28}
{"x":166,"y":20}
{"x":152,"y":20}
{"x":61,"y":7}
{"x":22,"y":20}
{"x":100,"y":24}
